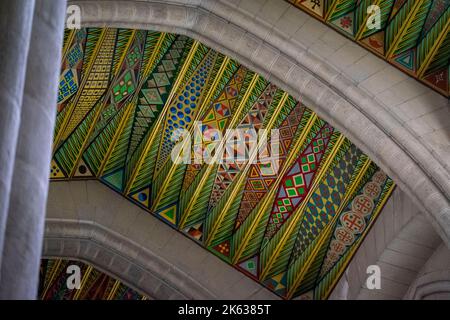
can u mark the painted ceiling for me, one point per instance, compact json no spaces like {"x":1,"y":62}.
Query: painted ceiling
{"x":414,"y":34}
{"x":94,"y":284}
{"x":123,"y":92}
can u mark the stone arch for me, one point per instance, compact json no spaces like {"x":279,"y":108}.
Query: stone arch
{"x":420,"y":170}
{"x":433,"y":283}
{"x":88,"y":221}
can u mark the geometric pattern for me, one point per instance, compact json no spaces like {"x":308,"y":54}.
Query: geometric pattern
{"x":68,"y":85}
{"x":183,"y":109}
{"x":414,"y":35}
{"x":228,"y":171}
{"x":215,"y":118}
{"x":297,"y":181}
{"x":325,"y":201}
{"x":353,"y":221}
{"x":262,"y":175}
{"x":292,"y":223}
{"x":150,"y":102}
{"x":95,"y":285}
{"x":71,"y":68}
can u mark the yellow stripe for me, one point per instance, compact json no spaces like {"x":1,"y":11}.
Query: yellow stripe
{"x":104,"y":104}
{"x":130,"y":105}
{"x":83,"y":282}
{"x":53,"y":274}
{"x":298,"y":214}
{"x":243,"y":174}
{"x":364,"y":24}
{"x":113,"y":291}
{"x":68,"y":44}
{"x":404,"y":27}
{"x":156,"y":129}
{"x":235,"y":118}
{"x":328,"y":229}
{"x":356,"y":246}
{"x":175,"y":165}
{"x":268,"y":199}
{"x":74,"y":102}
{"x":429,"y":58}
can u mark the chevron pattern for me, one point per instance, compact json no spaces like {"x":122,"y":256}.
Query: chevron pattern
{"x":413,"y":35}
{"x":95,"y":285}
{"x":290,"y":221}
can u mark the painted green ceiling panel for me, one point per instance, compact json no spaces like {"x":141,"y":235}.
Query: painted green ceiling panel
{"x":56,"y":274}
{"x":413,"y":34}
{"x":291,"y":222}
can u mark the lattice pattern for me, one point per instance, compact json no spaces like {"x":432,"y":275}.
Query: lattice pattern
{"x":123,"y":95}
{"x":414,"y":35}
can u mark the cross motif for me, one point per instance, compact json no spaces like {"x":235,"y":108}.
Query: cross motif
{"x":362,"y":204}
{"x":344,"y":235}
{"x":379,"y":177}
{"x":353,"y":221}
{"x":315,"y":3}
{"x":337,"y":246}
{"x":372,"y":190}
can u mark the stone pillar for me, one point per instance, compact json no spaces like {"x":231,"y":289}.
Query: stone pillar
{"x":15,"y":22}
{"x":28,"y":197}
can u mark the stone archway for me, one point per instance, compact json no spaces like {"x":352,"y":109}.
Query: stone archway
{"x":419,"y":169}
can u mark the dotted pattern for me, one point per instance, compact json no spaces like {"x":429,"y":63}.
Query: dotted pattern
{"x":67,"y":86}
{"x":183,"y":108}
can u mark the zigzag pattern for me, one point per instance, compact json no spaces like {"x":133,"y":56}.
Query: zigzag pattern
{"x":262,"y":175}
{"x":214,"y":120}
{"x":297,"y":181}
{"x":409,"y":36}
{"x":227,"y":172}
{"x":276,"y":220}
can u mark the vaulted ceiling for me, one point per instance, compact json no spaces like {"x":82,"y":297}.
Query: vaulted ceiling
{"x":94,"y":284}
{"x":414,"y":34}
{"x":292,"y":224}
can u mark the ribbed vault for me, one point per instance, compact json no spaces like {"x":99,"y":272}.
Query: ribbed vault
{"x":94,"y":284}
{"x":399,"y":123}
{"x":292,"y":223}
{"x":413,"y":35}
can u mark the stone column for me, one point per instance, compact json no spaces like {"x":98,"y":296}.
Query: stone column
{"x":16,"y":18}
{"x":28,"y":197}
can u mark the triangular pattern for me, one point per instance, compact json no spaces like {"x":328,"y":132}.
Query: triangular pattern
{"x":55,"y":171}
{"x":250,"y":267}
{"x":83,"y":170}
{"x":227,"y":172}
{"x":169,"y":215}
{"x":297,"y":181}
{"x":230,"y":208}
{"x":406,"y":60}
{"x":215,"y":118}
{"x":142,"y":197}
{"x":263,"y":175}
{"x":223,"y":249}
{"x":184,"y":107}
{"x":115,"y":179}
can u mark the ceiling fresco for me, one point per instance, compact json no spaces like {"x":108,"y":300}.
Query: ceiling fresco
{"x":414,"y":35}
{"x":94,"y":284}
{"x":291,"y":223}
